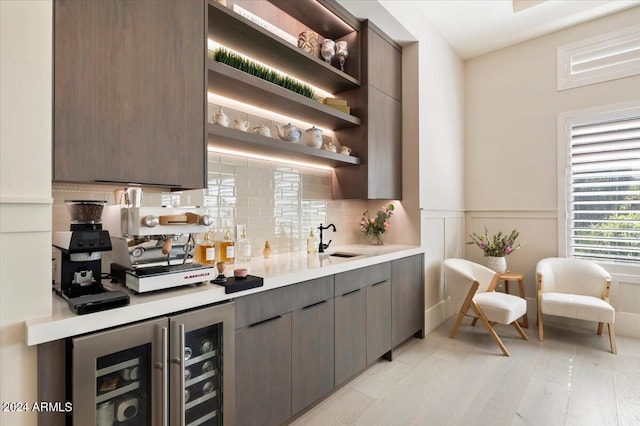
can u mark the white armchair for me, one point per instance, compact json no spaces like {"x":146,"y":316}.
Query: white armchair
{"x":575,"y":288}
{"x":482,"y":302}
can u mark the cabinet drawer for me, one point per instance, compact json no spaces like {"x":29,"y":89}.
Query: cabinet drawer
{"x":363,"y":277}
{"x":268,"y":304}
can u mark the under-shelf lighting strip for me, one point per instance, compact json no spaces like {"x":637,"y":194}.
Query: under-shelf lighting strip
{"x":213,"y":45}
{"x":244,"y":154}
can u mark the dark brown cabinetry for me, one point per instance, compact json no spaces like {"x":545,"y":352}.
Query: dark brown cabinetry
{"x":263,"y":372}
{"x":312,"y":353}
{"x":232,"y":30}
{"x":379,"y":137}
{"x":350,"y":334}
{"x":128,"y":92}
{"x":371,"y":83}
{"x":407,"y":296}
{"x":284,"y":343}
{"x":378,"y":320}
{"x":363,"y":319}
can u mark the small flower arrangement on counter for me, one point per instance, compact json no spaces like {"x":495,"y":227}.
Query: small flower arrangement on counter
{"x":374,"y":227}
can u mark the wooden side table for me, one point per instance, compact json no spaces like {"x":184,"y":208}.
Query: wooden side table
{"x":515,"y":276}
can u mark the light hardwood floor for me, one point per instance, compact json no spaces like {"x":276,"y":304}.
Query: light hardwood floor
{"x":569,"y":379}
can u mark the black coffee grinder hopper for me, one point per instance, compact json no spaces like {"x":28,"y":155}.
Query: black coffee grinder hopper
{"x":78,"y":270}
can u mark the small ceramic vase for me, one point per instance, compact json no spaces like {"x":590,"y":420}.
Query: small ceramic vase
{"x":328,"y":50}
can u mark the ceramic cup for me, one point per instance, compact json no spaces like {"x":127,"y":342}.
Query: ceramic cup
{"x":345,"y":150}
{"x":329,"y":147}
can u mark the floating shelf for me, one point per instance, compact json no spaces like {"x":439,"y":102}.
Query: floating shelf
{"x":228,"y":138}
{"x":319,"y":16}
{"x":238,"y":33}
{"x":233,"y":83}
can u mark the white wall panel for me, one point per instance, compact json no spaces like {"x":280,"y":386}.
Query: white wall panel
{"x":25,"y":193}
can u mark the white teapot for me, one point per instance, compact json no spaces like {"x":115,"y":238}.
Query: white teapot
{"x":262,"y":130}
{"x":221,"y":118}
{"x":241,"y":125}
{"x":289,"y":133}
{"x":313,"y":137}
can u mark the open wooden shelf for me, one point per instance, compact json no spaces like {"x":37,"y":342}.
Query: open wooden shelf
{"x":228,"y":138}
{"x":320,"y":16}
{"x":240,"y":34}
{"x":235,"y":84}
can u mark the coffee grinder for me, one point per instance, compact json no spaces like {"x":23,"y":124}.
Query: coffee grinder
{"x":79,"y":261}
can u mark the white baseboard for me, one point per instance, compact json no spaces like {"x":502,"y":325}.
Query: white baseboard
{"x":434,"y":316}
{"x":627,"y":324}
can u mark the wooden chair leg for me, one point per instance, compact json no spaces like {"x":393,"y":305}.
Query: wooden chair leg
{"x":474,"y":321}
{"x":612,"y":339}
{"x":464,"y":308}
{"x":456,"y":326}
{"x":600,"y":328}
{"x":490,"y":329}
{"x":540,"y":329}
{"x":520,"y":330}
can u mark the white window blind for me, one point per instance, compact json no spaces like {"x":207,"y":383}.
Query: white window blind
{"x":602,"y":58}
{"x":603,"y":203}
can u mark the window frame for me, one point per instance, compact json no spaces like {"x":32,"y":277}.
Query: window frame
{"x":569,"y":55}
{"x":626,"y":272}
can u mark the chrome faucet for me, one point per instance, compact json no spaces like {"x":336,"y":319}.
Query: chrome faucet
{"x":321,"y":246}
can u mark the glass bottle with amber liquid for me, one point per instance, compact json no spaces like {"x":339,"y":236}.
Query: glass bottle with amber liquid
{"x":226,"y":248}
{"x":205,"y":252}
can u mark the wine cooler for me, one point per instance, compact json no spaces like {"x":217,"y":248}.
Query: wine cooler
{"x":176,"y":370}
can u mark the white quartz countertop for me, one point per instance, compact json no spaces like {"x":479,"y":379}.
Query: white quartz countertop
{"x":277,"y":271}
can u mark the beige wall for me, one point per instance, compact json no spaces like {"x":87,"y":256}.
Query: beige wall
{"x":512,"y":107}
{"x":25,"y":192}
{"x":433,"y":149}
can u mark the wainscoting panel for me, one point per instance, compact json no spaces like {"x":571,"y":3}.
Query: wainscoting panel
{"x":442,"y":238}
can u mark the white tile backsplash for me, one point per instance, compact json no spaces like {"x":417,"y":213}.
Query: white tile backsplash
{"x":276,"y":202}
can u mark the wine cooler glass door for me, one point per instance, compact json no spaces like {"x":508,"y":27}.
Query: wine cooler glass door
{"x":117,"y":376}
{"x":199,"y":355}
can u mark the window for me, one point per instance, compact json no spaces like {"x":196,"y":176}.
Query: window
{"x":601,"y":58}
{"x":599,"y":153}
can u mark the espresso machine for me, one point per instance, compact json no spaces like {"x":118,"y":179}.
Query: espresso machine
{"x":153,"y":246}
{"x":78,"y":260}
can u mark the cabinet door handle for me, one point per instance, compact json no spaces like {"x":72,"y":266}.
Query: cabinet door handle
{"x":170,"y":185}
{"x":265,"y":321}
{"x":351,"y":292}
{"x":179,"y":360}
{"x":315,"y":304}
{"x":378,"y":283}
{"x":165,"y":376}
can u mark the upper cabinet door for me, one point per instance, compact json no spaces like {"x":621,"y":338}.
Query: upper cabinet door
{"x":129,"y":92}
{"x":384,"y":62}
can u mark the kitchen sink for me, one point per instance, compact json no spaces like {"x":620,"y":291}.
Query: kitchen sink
{"x":345,"y":255}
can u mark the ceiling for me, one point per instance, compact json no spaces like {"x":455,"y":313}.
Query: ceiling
{"x":475,"y":27}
